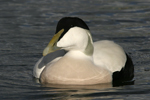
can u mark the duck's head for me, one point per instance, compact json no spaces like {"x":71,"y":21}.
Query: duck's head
{"x":72,"y":33}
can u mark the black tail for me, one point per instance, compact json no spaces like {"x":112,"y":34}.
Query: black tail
{"x":126,"y":74}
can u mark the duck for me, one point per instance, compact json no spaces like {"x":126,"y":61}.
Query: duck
{"x":72,"y":58}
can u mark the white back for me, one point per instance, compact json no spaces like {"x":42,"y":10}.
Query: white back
{"x":109,"y":54}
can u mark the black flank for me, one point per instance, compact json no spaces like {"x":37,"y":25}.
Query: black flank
{"x":125,"y":75}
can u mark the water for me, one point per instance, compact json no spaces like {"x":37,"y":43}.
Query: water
{"x":26,"y":27}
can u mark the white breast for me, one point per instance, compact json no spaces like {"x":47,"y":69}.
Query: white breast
{"x":73,"y":70}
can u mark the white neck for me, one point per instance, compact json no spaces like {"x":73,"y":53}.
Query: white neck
{"x":77,"y":39}
{"x":78,"y":55}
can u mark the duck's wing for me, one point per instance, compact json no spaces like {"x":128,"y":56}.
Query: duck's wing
{"x":109,"y":54}
{"x":113,"y":57}
{"x":48,"y":58}
{"x":40,"y":65}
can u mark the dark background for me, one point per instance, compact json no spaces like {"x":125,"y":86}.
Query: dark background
{"x":26,"y":27}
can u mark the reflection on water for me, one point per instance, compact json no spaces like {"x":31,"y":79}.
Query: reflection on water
{"x":74,"y":92}
{"x":26,"y":27}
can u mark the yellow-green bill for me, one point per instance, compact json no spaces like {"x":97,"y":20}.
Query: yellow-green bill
{"x":50,"y":47}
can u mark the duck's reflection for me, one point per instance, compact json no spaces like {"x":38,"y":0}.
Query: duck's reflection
{"x":80,"y":92}
{"x":75,"y":92}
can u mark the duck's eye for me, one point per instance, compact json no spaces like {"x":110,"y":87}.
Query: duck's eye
{"x":72,"y":25}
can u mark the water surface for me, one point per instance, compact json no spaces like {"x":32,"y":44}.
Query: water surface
{"x":26,"y":26}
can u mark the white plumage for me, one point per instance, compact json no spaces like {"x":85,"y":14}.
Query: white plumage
{"x":109,"y":54}
{"x":84,"y":63}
